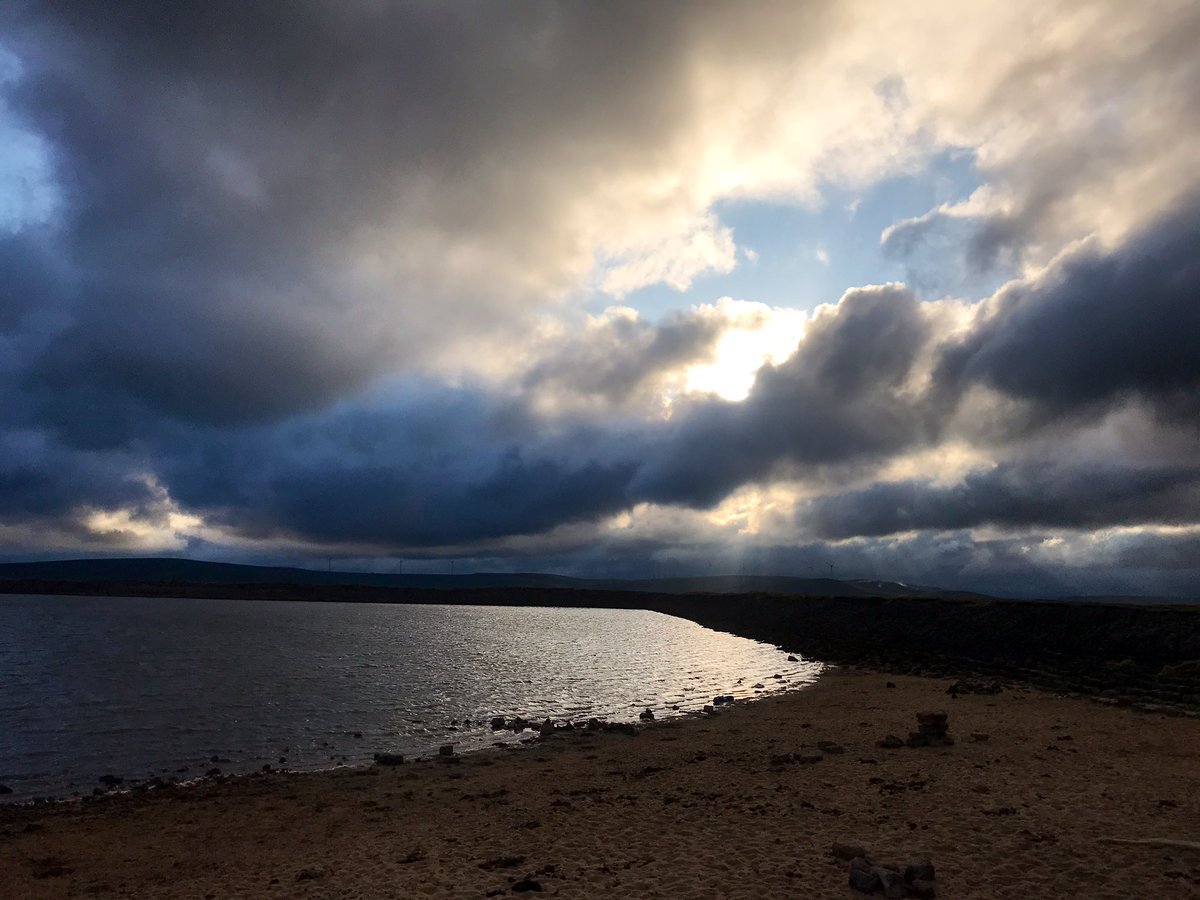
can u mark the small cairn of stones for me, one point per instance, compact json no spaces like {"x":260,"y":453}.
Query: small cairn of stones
{"x":932,"y":731}
{"x":917,"y":879}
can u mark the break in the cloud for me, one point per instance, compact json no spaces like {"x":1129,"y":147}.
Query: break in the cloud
{"x":276,"y":282}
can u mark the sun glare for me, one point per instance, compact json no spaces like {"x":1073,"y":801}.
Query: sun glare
{"x":771,"y":337}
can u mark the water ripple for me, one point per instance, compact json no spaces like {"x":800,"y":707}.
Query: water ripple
{"x":139,"y":687}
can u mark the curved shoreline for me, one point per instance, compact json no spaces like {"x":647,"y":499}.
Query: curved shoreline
{"x":741,"y":805}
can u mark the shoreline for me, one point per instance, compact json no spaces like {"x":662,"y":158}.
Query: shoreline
{"x":692,"y":806}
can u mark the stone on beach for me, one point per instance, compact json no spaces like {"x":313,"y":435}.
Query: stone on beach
{"x":932,"y":731}
{"x":388,"y":759}
{"x":446,"y":750}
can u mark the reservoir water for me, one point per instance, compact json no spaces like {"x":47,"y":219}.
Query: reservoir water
{"x":138,"y":687}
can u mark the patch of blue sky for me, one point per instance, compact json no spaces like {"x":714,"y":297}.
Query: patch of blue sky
{"x":29,"y":194}
{"x":801,"y":257}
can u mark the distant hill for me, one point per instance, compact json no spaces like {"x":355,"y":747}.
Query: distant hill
{"x":165,"y":570}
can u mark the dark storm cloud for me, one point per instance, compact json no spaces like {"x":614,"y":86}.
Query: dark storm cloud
{"x":839,"y":397}
{"x":263,"y":213}
{"x":41,"y":481}
{"x":1100,"y":329}
{"x":435,"y":467}
{"x":611,"y":360}
{"x":26,"y":276}
{"x":1019,"y":495}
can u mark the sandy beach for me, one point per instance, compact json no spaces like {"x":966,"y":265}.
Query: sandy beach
{"x":689,"y":808}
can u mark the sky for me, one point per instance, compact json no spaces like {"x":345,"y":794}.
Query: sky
{"x":903,"y":291}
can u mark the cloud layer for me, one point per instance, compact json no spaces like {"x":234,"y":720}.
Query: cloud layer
{"x":306,"y":283}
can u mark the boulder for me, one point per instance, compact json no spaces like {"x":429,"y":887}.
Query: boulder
{"x":891,"y":882}
{"x":891,"y":742}
{"x":830,"y":747}
{"x":446,"y":750}
{"x":792,"y":659}
{"x":863,"y":876}
{"x":646,"y":714}
{"x":5,"y":789}
{"x":498,"y":723}
{"x":920,"y":870}
{"x":388,"y":759}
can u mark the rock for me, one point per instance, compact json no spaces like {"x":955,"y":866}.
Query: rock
{"x":758,"y":686}
{"x":498,"y":723}
{"x":920,"y":870}
{"x":311,"y":873}
{"x":891,"y":684}
{"x":546,"y":729}
{"x":830,"y":747}
{"x":110,"y":780}
{"x":525,"y":885}
{"x":708,"y":708}
{"x":890,"y":881}
{"x":863,"y":876}
{"x":594,"y":724}
{"x":212,"y":773}
{"x":388,"y":759}
{"x":446,"y":750}
{"x":722,"y":699}
{"x":891,"y":742}
{"x":5,"y":789}
{"x":358,"y":734}
{"x":646,"y":714}
{"x":848,"y":852}
{"x":780,"y":759}
{"x":622,"y":728}
{"x":807,"y":757}
{"x":922,"y":889}
{"x":978,"y":737}
{"x":931,"y":731}
{"x":792,"y":659}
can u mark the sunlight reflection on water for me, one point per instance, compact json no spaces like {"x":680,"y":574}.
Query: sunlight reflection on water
{"x":139,"y":687}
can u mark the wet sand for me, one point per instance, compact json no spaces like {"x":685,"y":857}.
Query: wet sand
{"x":690,"y":808}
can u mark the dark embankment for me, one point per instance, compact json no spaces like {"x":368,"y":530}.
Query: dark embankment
{"x":1151,"y":653}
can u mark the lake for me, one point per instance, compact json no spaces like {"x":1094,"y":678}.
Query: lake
{"x":137,"y":687}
